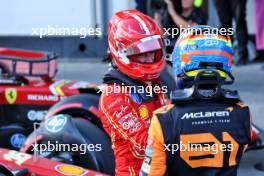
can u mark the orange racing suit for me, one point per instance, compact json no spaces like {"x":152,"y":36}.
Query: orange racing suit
{"x":219,"y":131}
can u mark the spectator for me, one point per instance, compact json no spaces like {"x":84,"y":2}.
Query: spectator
{"x":141,"y":6}
{"x":235,"y":9}
{"x":190,"y":15}
{"x":159,"y":10}
{"x":260,"y":27}
{"x":182,"y":14}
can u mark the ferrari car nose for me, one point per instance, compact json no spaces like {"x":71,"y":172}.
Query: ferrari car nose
{"x":4,"y":171}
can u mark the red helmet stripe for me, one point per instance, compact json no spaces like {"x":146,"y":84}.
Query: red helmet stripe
{"x":142,"y":23}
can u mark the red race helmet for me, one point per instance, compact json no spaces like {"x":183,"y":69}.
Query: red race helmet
{"x":136,"y":45}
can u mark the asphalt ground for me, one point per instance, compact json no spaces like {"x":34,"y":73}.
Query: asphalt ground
{"x":249,"y":82}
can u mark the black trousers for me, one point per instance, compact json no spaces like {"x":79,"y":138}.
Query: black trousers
{"x":235,"y":9}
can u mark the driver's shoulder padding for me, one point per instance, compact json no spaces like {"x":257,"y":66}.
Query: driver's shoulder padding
{"x":163,"y":109}
{"x":242,"y":104}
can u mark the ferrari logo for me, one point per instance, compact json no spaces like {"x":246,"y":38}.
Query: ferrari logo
{"x":11,"y":95}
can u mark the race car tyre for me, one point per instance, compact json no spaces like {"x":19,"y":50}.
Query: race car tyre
{"x":93,"y":135}
{"x":92,"y":145}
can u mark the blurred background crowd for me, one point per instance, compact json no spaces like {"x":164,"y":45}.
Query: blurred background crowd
{"x":20,"y":18}
{"x":231,"y":14}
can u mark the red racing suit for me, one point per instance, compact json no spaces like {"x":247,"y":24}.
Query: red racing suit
{"x":126,"y":118}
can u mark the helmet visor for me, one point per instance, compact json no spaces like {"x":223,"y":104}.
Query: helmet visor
{"x":146,"y":51}
{"x":147,"y":58}
{"x":144,"y":45}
